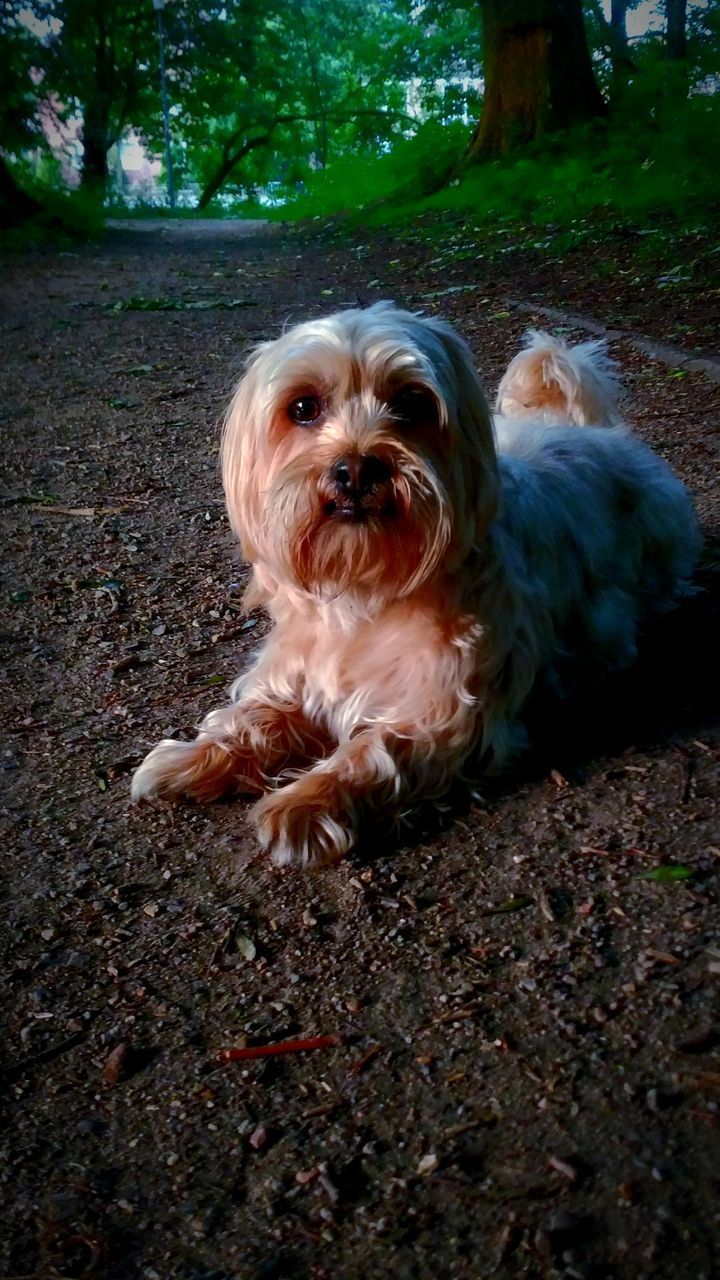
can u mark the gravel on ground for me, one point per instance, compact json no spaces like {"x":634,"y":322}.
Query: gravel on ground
{"x":527,"y":1074}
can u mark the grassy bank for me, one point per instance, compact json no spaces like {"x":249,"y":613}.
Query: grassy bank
{"x":629,"y":174}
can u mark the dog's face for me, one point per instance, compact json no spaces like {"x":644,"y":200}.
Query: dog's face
{"x":358,"y":454}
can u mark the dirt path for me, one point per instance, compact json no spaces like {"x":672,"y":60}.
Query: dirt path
{"x":183,"y":231}
{"x":530,"y":1081}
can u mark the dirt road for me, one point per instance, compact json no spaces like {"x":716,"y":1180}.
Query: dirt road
{"x":529,"y":1080}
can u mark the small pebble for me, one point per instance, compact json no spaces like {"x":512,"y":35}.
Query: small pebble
{"x":258,"y":1137}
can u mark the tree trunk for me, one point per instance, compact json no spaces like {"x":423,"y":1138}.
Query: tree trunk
{"x":675,"y":31}
{"x":96,"y":144}
{"x":618,"y":16}
{"x":15,"y":204}
{"x":622,"y":64}
{"x":614,"y":43}
{"x":538,"y":73}
{"x":96,"y":111}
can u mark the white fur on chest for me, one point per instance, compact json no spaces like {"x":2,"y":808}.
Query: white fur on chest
{"x":400,"y":666}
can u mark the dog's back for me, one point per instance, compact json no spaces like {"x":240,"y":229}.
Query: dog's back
{"x":604,"y":532}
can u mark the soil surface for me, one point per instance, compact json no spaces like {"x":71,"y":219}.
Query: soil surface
{"x":529,"y":1073}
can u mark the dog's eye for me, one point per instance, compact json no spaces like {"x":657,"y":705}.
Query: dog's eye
{"x":413,"y":404}
{"x":305,"y":410}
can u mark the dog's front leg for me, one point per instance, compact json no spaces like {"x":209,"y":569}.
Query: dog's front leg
{"x":239,"y":748}
{"x":314,"y":819}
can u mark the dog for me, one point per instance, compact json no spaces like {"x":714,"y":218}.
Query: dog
{"x":423,"y":562}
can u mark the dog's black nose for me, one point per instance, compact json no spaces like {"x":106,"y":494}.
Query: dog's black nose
{"x":357,"y":474}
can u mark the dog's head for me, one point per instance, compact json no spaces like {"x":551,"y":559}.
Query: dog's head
{"x":358,"y":454}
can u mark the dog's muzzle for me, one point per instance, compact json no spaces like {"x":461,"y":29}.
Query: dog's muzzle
{"x":360,"y":484}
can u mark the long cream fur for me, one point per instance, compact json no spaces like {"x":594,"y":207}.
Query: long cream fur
{"x":551,"y":382}
{"x":410,"y":627}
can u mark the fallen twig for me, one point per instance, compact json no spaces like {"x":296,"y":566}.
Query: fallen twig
{"x":44,"y":509}
{"x":564,"y":1167}
{"x":283,"y":1046}
{"x":16,"y":1069}
{"x":324,"y":1109}
{"x":702,"y":1080}
{"x":360,"y":1064}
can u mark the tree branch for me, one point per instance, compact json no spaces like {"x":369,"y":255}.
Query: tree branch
{"x":226,"y":167}
{"x":613,"y":43}
{"x":231,"y":158}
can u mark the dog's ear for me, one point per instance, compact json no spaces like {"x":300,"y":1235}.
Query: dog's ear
{"x":242,"y":451}
{"x":474,"y":458}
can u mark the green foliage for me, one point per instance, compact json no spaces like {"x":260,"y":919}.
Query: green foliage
{"x":270,"y":90}
{"x":654,"y":159}
{"x":136,"y":303}
{"x":406,"y":171}
{"x":668,"y":874}
{"x":348,"y":108}
{"x":18,"y":126}
{"x":622,"y":171}
{"x":90,"y":58}
{"x":662,"y":166}
{"x":98,"y":55}
{"x":62,"y":217}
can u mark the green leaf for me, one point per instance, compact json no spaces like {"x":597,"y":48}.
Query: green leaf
{"x":666,"y":874}
{"x":136,"y":303}
{"x":36,"y":499}
{"x":510,"y":904}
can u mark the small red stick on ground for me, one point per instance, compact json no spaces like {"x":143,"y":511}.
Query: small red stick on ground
{"x":284,"y":1046}
{"x":359,"y":1066}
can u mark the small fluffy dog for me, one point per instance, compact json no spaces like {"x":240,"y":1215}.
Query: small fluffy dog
{"x":423,"y":565}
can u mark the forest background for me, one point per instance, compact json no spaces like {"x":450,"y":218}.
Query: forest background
{"x":522,"y":996}
{"x":545,"y":117}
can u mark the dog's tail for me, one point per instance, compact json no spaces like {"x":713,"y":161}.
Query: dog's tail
{"x":556,"y":383}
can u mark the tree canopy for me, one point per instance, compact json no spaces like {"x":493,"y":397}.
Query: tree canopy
{"x":264,"y":94}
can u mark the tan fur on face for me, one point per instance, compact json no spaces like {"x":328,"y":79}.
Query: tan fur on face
{"x":275,"y":473}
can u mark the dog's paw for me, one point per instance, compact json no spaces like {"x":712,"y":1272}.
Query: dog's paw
{"x":299,"y":828}
{"x":203,"y":770}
